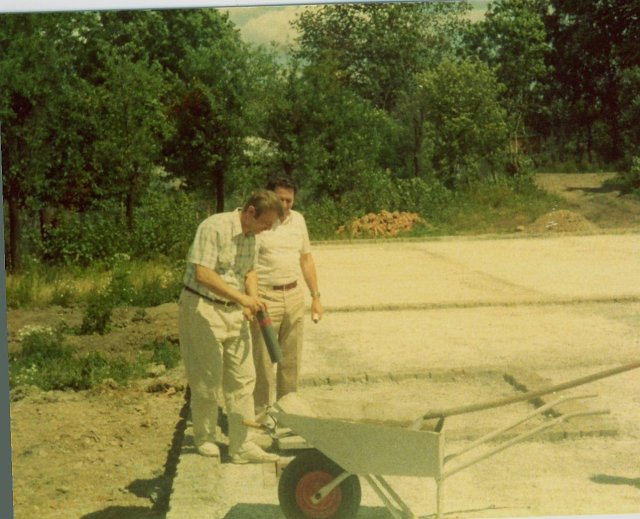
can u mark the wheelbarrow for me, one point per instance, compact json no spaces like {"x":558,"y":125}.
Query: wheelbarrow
{"x":322,"y":480}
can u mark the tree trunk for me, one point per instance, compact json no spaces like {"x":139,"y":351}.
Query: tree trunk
{"x":417,"y":144}
{"x":15,"y":261}
{"x":129,"y":211}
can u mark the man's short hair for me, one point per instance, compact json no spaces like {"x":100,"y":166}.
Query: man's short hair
{"x":284,"y":181}
{"x":264,"y":200}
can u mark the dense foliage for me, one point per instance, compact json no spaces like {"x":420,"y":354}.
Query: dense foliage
{"x":121,"y":130}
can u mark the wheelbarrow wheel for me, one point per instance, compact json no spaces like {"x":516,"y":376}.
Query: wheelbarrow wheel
{"x":307,"y":473}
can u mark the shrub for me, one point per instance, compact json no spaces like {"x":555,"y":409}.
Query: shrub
{"x":163,"y":352}
{"x":164,"y":226}
{"x":44,"y":361}
{"x":157,"y":290}
{"x":85,"y":238}
{"x":629,"y":180}
{"x":376,"y":192}
{"x":40,"y":344}
{"x":64,"y":294}
{"x":323,"y":218}
{"x":426,"y":198}
{"x":97,"y":317}
{"x":95,"y":368}
{"x":120,"y":289}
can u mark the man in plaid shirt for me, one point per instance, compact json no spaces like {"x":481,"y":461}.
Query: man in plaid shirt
{"x":220,"y":297}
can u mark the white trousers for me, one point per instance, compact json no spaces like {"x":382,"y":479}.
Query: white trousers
{"x":286,"y":309}
{"x":215,"y":344}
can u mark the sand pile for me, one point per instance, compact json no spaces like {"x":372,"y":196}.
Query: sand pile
{"x":561,"y":221}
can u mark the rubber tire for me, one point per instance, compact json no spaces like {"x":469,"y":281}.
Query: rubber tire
{"x":314,"y":461}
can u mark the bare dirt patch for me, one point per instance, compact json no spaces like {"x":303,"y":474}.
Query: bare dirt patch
{"x":94,"y":454}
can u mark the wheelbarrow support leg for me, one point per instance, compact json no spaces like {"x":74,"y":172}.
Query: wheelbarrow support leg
{"x":391,"y":499}
{"x":439,"y":497}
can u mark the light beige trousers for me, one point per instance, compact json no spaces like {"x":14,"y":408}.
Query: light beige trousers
{"x":286,"y":309}
{"x":215,"y":344}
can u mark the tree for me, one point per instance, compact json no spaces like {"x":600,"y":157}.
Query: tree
{"x":512,"y":39}
{"x":593,"y":44}
{"x":36,"y":75}
{"x":210,"y":65}
{"x":630,"y":113}
{"x":377,"y":49}
{"x":326,"y":135}
{"x":465,"y":126}
{"x":131,"y":126}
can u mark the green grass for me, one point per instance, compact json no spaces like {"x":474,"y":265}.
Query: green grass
{"x":495,"y":209}
{"x":136,"y":283}
{"x":46,"y":361}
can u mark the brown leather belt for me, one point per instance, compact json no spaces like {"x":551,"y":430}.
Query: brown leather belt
{"x":226,"y":304}
{"x":288,"y":286}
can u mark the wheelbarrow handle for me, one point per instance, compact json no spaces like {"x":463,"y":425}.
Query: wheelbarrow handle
{"x":471,"y":408}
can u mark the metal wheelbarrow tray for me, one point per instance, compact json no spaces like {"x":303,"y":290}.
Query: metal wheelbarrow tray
{"x":321,"y":482}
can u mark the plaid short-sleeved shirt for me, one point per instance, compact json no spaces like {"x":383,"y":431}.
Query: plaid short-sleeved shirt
{"x":221,"y":246}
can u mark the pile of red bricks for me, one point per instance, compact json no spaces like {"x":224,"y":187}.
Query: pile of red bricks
{"x":382,"y":224}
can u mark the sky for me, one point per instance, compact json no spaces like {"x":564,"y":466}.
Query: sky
{"x":260,"y":25}
{"x":266,"y":24}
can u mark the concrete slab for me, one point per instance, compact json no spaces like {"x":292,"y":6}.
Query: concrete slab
{"x":548,"y":306}
{"x":475,"y":271}
{"x":535,"y":337}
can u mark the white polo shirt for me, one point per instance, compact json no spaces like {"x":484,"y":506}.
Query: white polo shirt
{"x":279,"y":249}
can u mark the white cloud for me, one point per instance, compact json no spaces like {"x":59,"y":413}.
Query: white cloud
{"x":272,"y":25}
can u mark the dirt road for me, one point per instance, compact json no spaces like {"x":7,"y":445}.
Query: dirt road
{"x":106,"y":453}
{"x":589,"y":195}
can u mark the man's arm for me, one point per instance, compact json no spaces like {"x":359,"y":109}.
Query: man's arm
{"x":212,"y":280}
{"x":251,"y":283}
{"x":308,"y":268}
{"x":251,"y":286}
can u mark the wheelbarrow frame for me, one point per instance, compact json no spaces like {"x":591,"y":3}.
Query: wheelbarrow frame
{"x":373,"y":451}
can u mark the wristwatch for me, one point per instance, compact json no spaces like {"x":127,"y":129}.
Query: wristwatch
{"x":315,"y":295}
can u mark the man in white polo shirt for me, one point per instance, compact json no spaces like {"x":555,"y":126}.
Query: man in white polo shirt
{"x":284,"y":253}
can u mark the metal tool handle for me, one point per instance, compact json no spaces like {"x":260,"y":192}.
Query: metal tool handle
{"x":471,"y":408}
